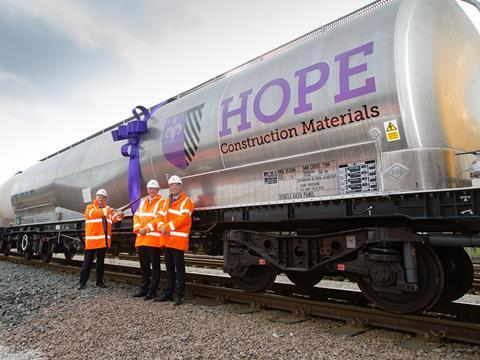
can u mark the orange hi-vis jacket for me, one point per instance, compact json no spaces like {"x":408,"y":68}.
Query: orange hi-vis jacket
{"x":177,"y":221}
{"x":147,"y":216}
{"x":94,"y":232}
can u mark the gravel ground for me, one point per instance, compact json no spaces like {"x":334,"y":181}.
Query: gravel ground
{"x":45,"y":317}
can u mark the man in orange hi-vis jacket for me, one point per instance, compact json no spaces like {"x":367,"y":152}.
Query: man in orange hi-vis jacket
{"x":98,"y":232}
{"x":175,"y":227}
{"x":148,"y":240}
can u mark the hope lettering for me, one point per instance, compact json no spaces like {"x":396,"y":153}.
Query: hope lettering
{"x":303,"y":89}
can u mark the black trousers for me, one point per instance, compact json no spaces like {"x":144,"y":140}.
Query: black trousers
{"x":149,"y":256}
{"x":87,"y":265}
{"x":175,"y":264}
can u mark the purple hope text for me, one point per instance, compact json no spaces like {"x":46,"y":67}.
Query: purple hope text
{"x":304,"y":88}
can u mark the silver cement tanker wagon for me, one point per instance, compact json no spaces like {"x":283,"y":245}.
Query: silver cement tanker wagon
{"x":335,"y":153}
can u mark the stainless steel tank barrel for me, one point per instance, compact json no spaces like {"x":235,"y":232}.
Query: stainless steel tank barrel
{"x":376,"y":102}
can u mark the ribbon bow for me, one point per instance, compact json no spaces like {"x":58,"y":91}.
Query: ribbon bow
{"x":132,"y":131}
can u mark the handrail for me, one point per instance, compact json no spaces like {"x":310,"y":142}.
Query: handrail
{"x":474,"y":3}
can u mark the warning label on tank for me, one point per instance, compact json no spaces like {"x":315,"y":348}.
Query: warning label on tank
{"x":270,"y":177}
{"x":307,"y":181}
{"x":391,"y":130}
{"x":358,"y":176}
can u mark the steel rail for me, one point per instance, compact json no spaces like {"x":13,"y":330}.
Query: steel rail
{"x":205,"y":261}
{"x":476,"y":275}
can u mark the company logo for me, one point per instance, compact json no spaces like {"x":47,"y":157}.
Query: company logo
{"x":302,"y":91}
{"x":181,"y":137}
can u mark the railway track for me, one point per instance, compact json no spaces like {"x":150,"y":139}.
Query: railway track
{"x":455,"y":321}
{"x":476,"y":276}
{"x":216,"y":262}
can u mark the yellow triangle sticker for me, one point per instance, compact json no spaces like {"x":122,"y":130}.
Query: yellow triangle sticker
{"x":391,"y":127}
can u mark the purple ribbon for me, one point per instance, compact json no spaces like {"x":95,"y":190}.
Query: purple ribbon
{"x":132,"y":131}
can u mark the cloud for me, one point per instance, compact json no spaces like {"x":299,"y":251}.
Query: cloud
{"x":70,"y":17}
{"x":9,"y":80}
{"x":84,"y":27}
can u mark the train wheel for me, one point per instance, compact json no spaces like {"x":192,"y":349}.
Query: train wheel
{"x":69,"y":254}
{"x":256,"y":279}
{"x":19,"y":246}
{"x":26,"y":245}
{"x":114,"y":250}
{"x":430,"y":282}
{"x":213,"y":246}
{"x":46,"y":251}
{"x":458,"y":270}
{"x":5,"y":246}
{"x":304,"y":279}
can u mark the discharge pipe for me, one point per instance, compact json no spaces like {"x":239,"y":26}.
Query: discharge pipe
{"x":440,"y":239}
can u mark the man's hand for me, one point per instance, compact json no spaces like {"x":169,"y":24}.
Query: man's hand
{"x":162,"y":229}
{"x":142,"y":231}
{"x":119,"y":215}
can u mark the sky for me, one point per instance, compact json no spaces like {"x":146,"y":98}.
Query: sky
{"x":70,"y":68}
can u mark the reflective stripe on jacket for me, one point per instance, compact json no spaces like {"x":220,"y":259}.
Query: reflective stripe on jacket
{"x":145,"y":218}
{"x":94,"y":232}
{"x":177,"y":221}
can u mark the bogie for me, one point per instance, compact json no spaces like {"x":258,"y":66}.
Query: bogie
{"x":394,"y":268}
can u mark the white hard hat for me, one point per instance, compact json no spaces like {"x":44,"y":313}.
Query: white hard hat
{"x":153,"y":184}
{"x":102,"y":192}
{"x":174,"y":179}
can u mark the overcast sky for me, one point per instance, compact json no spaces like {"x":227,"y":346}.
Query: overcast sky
{"x":69,"y":68}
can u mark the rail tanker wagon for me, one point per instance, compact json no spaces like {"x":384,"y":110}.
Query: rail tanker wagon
{"x":335,"y":154}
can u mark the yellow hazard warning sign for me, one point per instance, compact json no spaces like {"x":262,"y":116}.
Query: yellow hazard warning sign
{"x":391,"y":127}
{"x":391,"y":130}
{"x":392,"y":136}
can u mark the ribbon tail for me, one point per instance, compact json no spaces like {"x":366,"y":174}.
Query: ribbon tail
{"x":134,"y":180}
{"x":158,"y":106}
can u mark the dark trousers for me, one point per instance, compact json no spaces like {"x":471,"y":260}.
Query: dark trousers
{"x":149,"y":256}
{"x":175,"y":264}
{"x":87,"y":265}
